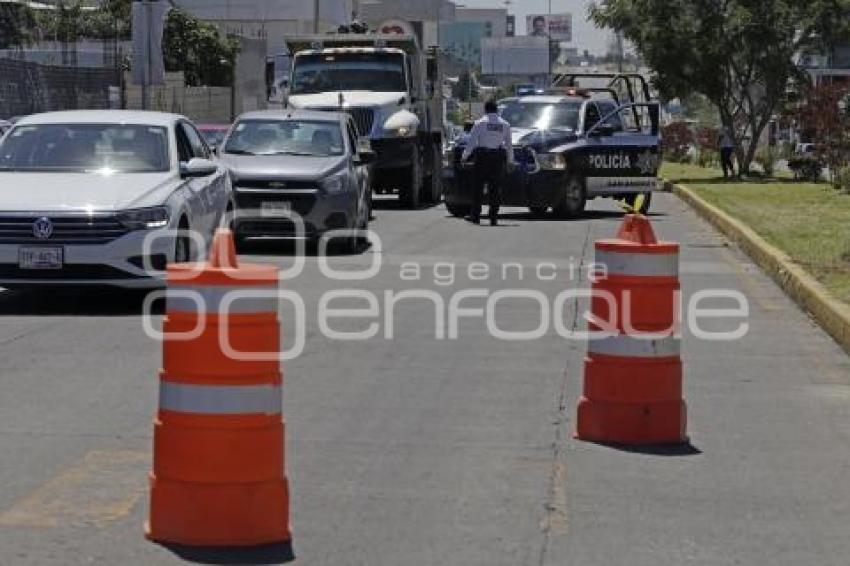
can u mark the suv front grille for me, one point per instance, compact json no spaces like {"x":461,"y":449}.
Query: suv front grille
{"x":67,"y":229}
{"x":282,"y":186}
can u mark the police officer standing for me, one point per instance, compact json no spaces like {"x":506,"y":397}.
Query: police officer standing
{"x":490,"y":145}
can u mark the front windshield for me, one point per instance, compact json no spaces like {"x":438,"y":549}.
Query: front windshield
{"x":379,"y":72}
{"x":542,"y":115}
{"x":286,"y":137}
{"x":113,"y":148}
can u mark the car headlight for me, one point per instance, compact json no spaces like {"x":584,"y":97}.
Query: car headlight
{"x":145,"y":218}
{"x":555,"y":161}
{"x":333,"y":185}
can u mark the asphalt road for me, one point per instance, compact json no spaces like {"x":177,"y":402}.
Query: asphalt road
{"x":418,"y":451}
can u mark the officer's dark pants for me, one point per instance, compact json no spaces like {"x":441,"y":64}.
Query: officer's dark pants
{"x":490,"y":165}
{"x":726,"y":161}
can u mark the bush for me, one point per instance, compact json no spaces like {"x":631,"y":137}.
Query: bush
{"x":841,"y":179}
{"x":767,"y":157}
{"x":708,"y":157}
{"x":806,"y":167}
{"x":678,"y":141}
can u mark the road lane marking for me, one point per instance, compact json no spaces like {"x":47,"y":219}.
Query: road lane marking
{"x":99,"y":488}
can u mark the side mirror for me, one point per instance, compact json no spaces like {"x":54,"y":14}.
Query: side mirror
{"x":198,"y":167}
{"x":602,"y":130}
{"x":365,"y":157}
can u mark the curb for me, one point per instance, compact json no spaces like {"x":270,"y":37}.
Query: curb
{"x":830,"y":313}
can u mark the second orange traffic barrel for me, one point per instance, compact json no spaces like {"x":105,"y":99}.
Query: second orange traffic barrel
{"x":633,"y":375}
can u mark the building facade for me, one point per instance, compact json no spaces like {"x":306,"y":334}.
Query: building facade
{"x":269,"y":20}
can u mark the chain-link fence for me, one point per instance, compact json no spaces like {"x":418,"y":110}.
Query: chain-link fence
{"x":28,"y":87}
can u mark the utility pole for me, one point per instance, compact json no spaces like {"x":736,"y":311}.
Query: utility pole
{"x":316,"y":13}
{"x":549,"y":36}
{"x":146,"y":78}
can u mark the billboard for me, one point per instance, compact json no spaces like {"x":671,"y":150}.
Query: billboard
{"x":515,"y":56}
{"x":554,"y":26}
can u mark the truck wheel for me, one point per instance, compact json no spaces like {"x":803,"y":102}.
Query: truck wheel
{"x":458,"y":210}
{"x":647,"y":201}
{"x":573,"y":200}
{"x":435,"y":184}
{"x":410,"y":194}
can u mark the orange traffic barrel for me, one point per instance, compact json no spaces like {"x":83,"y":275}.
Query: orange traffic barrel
{"x":218,"y":474}
{"x":633,"y":371}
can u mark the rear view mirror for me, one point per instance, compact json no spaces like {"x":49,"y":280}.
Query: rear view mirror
{"x":198,"y":167}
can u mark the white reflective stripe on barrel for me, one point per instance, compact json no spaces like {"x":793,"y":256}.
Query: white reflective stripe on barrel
{"x":220,"y":399}
{"x":647,"y":346}
{"x":251,"y":299}
{"x":642,"y":265}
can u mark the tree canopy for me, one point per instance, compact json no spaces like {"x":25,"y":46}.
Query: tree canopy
{"x":740,"y":54}
{"x":197,"y":48}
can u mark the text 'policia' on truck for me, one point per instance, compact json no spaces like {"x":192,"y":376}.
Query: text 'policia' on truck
{"x":391,"y":86}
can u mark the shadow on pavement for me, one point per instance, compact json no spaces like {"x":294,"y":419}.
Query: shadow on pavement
{"x":288,"y":248}
{"x":391,"y":202}
{"x":734,"y":180}
{"x":587,"y":216}
{"x":669,"y":450}
{"x":89,"y":301}
{"x":281,"y":553}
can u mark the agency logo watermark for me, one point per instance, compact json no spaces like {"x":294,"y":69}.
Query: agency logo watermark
{"x":353,"y":312}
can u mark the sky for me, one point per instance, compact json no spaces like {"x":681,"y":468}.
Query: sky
{"x":585,"y":34}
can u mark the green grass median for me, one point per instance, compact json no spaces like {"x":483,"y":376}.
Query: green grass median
{"x":810,"y":222}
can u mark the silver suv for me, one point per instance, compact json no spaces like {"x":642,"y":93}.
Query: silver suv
{"x":298,"y":174}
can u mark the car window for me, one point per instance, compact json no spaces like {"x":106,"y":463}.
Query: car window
{"x":591,"y":117}
{"x":107,"y":148}
{"x":352,"y":138}
{"x":541,"y":115}
{"x":199,"y":148}
{"x":613,"y":118}
{"x":310,"y":138}
{"x":184,"y":146}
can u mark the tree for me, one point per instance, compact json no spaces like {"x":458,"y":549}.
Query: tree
{"x":737,"y":53}
{"x":465,"y":87}
{"x":16,"y":24}
{"x":823,"y":117}
{"x":197,"y":49}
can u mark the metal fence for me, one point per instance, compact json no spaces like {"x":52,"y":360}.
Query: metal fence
{"x":28,"y":87}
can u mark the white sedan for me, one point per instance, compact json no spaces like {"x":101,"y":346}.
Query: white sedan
{"x":105,"y":197}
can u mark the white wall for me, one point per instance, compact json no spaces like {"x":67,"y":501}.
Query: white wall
{"x":332,"y":11}
{"x":497,"y":18}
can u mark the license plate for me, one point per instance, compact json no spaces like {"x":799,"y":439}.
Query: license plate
{"x":276,"y":209}
{"x":40,"y":258}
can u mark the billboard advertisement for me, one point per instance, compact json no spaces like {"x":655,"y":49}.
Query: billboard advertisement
{"x":558,"y":27}
{"x":515,"y":56}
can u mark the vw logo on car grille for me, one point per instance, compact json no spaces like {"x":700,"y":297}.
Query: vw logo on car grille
{"x":42,"y":228}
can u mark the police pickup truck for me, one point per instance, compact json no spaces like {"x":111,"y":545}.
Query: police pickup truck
{"x":570,"y":145}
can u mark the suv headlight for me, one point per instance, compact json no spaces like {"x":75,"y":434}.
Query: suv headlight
{"x":145,"y":218}
{"x":333,"y":185}
{"x":552,"y":161}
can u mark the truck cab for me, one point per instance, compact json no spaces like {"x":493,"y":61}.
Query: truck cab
{"x":384,"y":83}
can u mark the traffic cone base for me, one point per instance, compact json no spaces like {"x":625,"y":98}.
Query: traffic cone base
{"x":632,"y":423}
{"x":250,"y":514}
